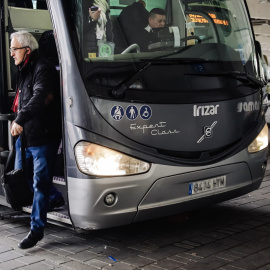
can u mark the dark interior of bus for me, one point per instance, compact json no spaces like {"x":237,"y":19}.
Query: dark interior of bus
{"x":47,"y":48}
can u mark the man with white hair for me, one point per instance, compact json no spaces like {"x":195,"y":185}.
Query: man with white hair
{"x":38,"y":119}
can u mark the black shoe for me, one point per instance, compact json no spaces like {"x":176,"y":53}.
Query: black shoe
{"x":56,"y":203}
{"x":30,"y":240}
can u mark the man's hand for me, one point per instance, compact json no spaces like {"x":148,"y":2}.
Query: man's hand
{"x":95,"y":15}
{"x":16,"y":129}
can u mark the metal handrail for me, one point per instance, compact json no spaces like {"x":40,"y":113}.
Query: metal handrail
{"x":7,"y":117}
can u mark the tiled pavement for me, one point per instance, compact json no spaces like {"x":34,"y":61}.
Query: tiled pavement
{"x":229,"y":236}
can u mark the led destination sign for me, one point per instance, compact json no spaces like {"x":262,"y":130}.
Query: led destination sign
{"x":200,"y":19}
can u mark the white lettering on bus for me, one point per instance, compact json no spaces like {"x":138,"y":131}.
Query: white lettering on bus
{"x":155,"y":132}
{"x":155,"y":129}
{"x":151,"y":126}
{"x":204,"y":110}
{"x":248,"y":106}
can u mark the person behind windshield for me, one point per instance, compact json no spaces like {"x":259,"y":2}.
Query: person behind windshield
{"x":97,"y":26}
{"x":156,"y":21}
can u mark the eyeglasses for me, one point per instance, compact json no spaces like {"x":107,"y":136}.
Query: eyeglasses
{"x":12,"y":50}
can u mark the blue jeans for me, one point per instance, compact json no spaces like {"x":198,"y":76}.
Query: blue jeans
{"x":39,"y":169}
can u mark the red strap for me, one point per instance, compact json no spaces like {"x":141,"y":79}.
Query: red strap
{"x":15,"y":104}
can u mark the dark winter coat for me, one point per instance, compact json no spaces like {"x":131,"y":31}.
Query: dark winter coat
{"x":39,"y":110}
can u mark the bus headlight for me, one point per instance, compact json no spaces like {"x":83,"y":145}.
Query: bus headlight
{"x":260,"y":142}
{"x":94,"y":159}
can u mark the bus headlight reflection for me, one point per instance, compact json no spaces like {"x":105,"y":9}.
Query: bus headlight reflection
{"x":94,"y":159}
{"x":260,"y":142}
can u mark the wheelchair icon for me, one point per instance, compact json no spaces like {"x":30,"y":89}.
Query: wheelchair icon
{"x":145,"y":112}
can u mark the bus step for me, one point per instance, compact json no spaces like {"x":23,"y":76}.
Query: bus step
{"x":59,"y":215}
{"x":9,"y":214}
{"x":59,"y":180}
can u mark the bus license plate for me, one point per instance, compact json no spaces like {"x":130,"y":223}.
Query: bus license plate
{"x":207,"y":185}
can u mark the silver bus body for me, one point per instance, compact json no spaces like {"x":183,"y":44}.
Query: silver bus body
{"x":198,"y":152}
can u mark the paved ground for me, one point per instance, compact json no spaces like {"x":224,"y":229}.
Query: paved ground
{"x":230,"y":236}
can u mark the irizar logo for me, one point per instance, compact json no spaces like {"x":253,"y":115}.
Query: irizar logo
{"x":248,"y":106}
{"x":204,"y":110}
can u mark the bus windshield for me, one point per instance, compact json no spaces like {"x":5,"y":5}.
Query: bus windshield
{"x":125,"y":47}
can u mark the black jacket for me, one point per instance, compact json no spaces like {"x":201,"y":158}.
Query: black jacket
{"x":39,"y":101}
{"x":144,"y":38}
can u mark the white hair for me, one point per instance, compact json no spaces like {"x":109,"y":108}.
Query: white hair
{"x":26,"y":39}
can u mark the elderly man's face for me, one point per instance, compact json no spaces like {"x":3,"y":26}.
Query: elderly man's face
{"x":158,"y":21}
{"x":17,"y":52}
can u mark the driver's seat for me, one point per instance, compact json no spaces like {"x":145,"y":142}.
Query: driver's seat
{"x":132,"y":19}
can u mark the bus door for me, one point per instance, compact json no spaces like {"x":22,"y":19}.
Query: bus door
{"x":33,"y":17}
{"x":6,"y":116}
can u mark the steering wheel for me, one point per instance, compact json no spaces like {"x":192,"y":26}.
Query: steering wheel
{"x":132,"y":47}
{"x":191,"y":37}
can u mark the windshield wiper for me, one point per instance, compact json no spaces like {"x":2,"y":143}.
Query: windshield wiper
{"x":241,"y":76}
{"x":121,"y":88}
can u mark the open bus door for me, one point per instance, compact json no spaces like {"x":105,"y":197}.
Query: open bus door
{"x":15,"y":16}
{"x":6,"y":116}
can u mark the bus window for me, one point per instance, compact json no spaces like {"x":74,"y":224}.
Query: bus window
{"x":227,"y":27}
{"x":21,"y":3}
{"x":36,"y":4}
{"x":193,"y":30}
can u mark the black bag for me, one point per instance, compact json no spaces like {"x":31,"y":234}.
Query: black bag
{"x":16,"y":188}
